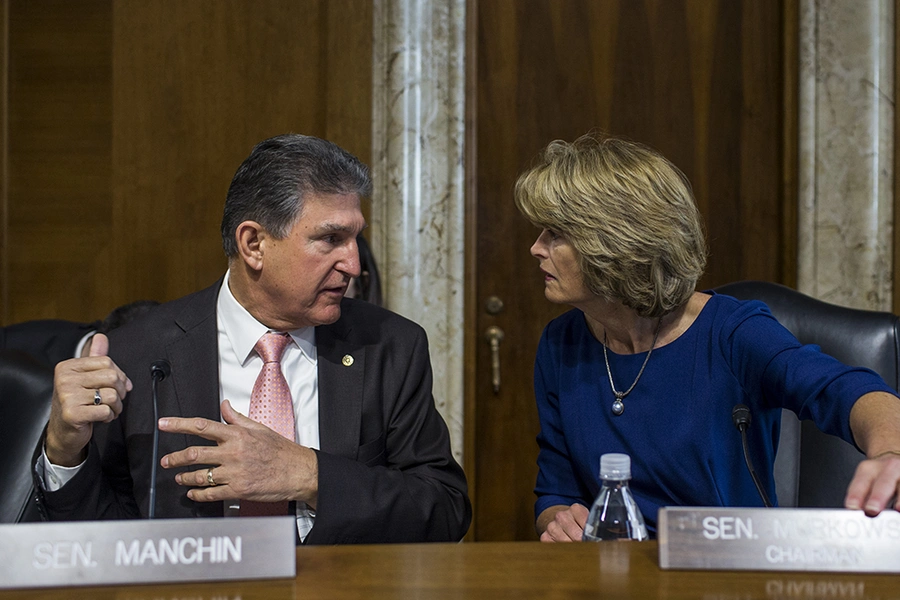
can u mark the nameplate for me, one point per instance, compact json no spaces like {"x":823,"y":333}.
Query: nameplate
{"x":164,"y":550}
{"x":779,"y":539}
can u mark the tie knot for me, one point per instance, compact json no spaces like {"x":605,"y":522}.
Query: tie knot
{"x":271,"y":346}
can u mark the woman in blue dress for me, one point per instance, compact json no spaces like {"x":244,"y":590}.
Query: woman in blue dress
{"x":646,"y":365}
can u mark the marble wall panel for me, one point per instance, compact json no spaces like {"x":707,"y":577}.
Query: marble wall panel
{"x":846,"y":151}
{"x":418,"y":202}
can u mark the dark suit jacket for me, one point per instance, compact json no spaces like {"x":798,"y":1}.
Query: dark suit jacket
{"x":386,"y":473}
{"x":50,"y":341}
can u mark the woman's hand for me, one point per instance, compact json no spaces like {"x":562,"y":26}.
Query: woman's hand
{"x":875,"y":484}
{"x":562,"y":523}
{"x":875,"y":423}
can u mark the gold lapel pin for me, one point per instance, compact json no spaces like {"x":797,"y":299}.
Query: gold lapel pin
{"x":347,"y":360}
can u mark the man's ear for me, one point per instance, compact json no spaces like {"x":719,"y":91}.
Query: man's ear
{"x":250,"y":237}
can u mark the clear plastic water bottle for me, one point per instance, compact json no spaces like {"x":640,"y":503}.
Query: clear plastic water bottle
{"x":615,"y":515}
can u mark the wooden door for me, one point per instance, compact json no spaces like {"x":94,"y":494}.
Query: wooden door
{"x":701,"y":81}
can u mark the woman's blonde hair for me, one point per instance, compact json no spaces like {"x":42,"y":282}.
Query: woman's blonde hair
{"x":627,"y":211}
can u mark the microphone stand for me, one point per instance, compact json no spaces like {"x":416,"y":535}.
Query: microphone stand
{"x":159,"y":370}
{"x":741,"y":417}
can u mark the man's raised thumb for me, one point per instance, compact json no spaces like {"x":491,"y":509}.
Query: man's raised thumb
{"x":99,"y":345}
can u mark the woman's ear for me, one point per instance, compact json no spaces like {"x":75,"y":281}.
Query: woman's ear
{"x":249,"y":236}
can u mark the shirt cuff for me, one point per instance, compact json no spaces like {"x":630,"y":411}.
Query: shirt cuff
{"x":84,"y":340}
{"x":54,"y":476}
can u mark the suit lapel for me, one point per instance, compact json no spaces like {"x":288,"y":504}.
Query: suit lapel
{"x":341,"y":366}
{"x":194,"y":358}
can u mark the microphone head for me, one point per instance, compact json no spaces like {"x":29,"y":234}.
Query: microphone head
{"x":740,"y":416}
{"x":160,"y":369}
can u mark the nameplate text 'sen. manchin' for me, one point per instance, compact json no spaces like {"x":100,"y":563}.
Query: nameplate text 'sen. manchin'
{"x":158,"y":551}
{"x":779,"y":539}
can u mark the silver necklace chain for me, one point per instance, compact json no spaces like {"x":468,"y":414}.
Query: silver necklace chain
{"x":618,"y":406}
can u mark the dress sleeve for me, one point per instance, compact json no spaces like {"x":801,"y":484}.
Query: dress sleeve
{"x":557,"y":481}
{"x":778,"y":371}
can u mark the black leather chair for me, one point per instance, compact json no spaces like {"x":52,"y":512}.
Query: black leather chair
{"x":813,"y":469}
{"x":26,"y":388}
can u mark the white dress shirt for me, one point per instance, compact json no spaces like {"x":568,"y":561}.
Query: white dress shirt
{"x":239,"y":366}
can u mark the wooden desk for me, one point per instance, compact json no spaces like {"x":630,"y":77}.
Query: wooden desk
{"x":518,"y":570}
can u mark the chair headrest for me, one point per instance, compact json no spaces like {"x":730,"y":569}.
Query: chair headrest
{"x":26,"y":389}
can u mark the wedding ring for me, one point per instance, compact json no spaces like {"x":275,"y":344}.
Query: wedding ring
{"x":97,"y":398}
{"x":209,"y":478}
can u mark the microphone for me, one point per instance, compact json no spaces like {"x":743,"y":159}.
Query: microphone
{"x":740,"y":416}
{"x":159,"y":370}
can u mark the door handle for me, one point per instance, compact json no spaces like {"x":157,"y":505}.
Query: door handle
{"x":494,"y":336}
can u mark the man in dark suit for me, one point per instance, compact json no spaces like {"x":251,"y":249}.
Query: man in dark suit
{"x":370,"y":457}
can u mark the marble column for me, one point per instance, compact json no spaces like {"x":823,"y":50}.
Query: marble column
{"x":846,"y":151}
{"x":417,"y":219}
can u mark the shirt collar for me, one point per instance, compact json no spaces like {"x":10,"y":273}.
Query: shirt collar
{"x":243,"y":330}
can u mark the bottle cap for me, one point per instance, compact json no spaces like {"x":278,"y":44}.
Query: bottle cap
{"x":615,"y":466}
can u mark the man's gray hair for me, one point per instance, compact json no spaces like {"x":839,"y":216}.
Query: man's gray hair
{"x":270,"y":186}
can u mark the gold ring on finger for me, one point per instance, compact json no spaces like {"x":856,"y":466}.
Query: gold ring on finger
{"x":209,"y":478}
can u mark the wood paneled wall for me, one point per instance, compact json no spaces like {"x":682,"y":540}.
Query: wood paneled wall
{"x":59,"y":149}
{"x":126,"y":121}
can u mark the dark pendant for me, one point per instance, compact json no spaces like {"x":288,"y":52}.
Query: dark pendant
{"x":618,"y":408}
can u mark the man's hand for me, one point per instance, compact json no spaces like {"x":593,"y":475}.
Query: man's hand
{"x":875,"y":483}
{"x":74,"y":410}
{"x":563,"y":523}
{"x":249,"y":462}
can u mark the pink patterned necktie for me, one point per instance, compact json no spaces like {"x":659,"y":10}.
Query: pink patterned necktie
{"x":271,"y":405}
{"x":270,"y":401}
